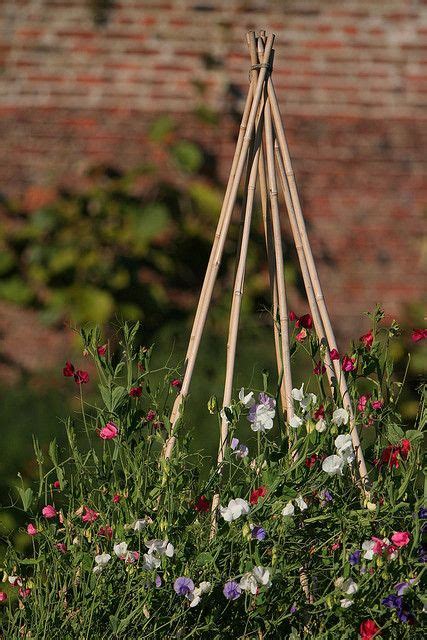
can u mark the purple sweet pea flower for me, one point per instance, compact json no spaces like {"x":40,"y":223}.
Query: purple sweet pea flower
{"x":401,"y":587}
{"x":422,"y":513}
{"x":293,"y":608}
{"x":231,"y":590}
{"x":354,"y":558}
{"x":234,"y":443}
{"x":266,"y":400}
{"x":422,"y":550}
{"x":158,"y":581}
{"x":183,"y":586}
{"x":392,"y":602}
{"x":258,"y":533}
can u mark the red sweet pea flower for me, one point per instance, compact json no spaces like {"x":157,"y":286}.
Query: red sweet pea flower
{"x":105,"y":532}
{"x":319,"y":368}
{"x":310,"y":461}
{"x":419,"y":334}
{"x":377,"y":404}
{"x":116,"y":498}
{"x":362,"y":402}
{"x":405,"y":447}
{"x":68,"y":370}
{"x":177,"y":384}
{"x":319,"y":413}
{"x":202,"y":504}
{"x":56,"y":484}
{"x":81,"y":377}
{"x":292,"y":316}
{"x":150,"y":415}
{"x":305,"y":321}
{"x":257,"y":494}
{"x":135,"y":392}
{"x":348,"y":364}
{"x":367,"y":340}
{"x":368,"y":629}
{"x":334,"y":355}
{"x":102,"y":350}
{"x":391,"y":453}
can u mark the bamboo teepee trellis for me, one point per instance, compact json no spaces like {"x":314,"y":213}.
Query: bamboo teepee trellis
{"x":262,"y":151}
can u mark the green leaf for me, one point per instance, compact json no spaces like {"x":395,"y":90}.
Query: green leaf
{"x":394,"y":433}
{"x":26,"y":496}
{"x":117,"y":396}
{"x":204,"y":558}
{"x":187,"y":156}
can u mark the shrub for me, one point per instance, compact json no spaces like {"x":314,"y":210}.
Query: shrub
{"x":122,"y":540}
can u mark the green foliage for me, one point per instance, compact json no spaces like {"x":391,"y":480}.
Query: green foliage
{"x":68,"y":599}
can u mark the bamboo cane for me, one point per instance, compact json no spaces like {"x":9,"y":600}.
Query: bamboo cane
{"x":268,"y":233}
{"x":280,"y":275}
{"x":204,"y":305}
{"x":235,"y":315}
{"x":284,"y":151}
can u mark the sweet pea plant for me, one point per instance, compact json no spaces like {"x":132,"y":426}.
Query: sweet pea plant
{"x":122,"y":539}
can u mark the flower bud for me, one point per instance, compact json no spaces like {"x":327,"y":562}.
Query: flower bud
{"x":213,"y":405}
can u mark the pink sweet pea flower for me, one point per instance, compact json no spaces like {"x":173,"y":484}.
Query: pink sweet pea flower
{"x":177,"y":384}
{"x":108,"y":432}
{"x":56,"y":484}
{"x":116,"y":498}
{"x":105,"y":532}
{"x":362,"y":402}
{"x":31,"y":530}
{"x":150,"y":415}
{"x":3,"y":596}
{"x":334,"y":355}
{"x":90,"y":515}
{"x":24,"y":592}
{"x":102,"y":350}
{"x":367,"y":340}
{"x":419,"y":334}
{"x":377,"y":404}
{"x":400,"y":538}
{"x":348,"y":364}
{"x":61,"y":546}
{"x":301,"y":335}
{"x":49,"y":511}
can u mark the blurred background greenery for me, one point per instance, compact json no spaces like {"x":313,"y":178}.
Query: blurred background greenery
{"x":133,"y":247}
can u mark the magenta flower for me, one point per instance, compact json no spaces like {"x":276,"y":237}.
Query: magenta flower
{"x":400,"y":538}
{"x":61,"y":546}
{"x":109,"y":432}
{"x":334,"y":355}
{"x":31,"y":530}
{"x":90,"y":515}
{"x":68,"y":370}
{"x":49,"y":511}
{"x":102,"y":350}
{"x":3,"y":596}
{"x":348,"y":364}
{"x":135,"y":392}
{"x":367,"y":339}
{"x":419,"y":334}
{"x":377,"y":404}
{"x":81,"y":377}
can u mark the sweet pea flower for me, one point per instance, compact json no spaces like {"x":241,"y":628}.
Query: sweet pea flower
{"x":261,"y":415}
{"x":120,"y":549}
{"x":362,"y":402}
{"x":232,"y":590}
{"x":262,"y":576}
{"x":377,"y":404}
{"x":3,"y":596}
{"x":140,"y":525}
{"x":256,"y":494}
{"x":248,"y":583}
{"x":354,"y":558}
{"x":295,"y":422}
{"x":102,"y":350}
{"x":344,"y":447}
{"x":24,"y":592}
{"x":62,"y":547}
{"x":101,"y":562}
{"x":195,"y":595}
{"x":116,"y":498}
{"x":49,"y":511}
{"x":301,"y":336}
{"x":247,"y":400}
{"x":257,"y":533}
{"x":419,"y":334}
{"x":202,"y":504}
{"x":109,"y":431}
{"x":161,"y":547}
{"x":333,"y":465}
{"x":368,"y":629}
{"x":402,"y":587}
{"x":90,"y":515}
{"x":289,"y":509}
{"x":340,"y":416}
{"x":367,"y":339}
{"x":368,"y":548}
{"x":15,"y":581}
{"x":334,"y":354}
{"x":298,"y":394}
{"x":321,"y":425}
{"x":240,"y":450}
{"x":301,"y":503}
{"x":183,"y":586}
{"x":68,"y":370}
{"x":235,"y":509}
{"x":81,"y":377}
{"x":346,"y":603}
{"x":135,"y":392}
{"x":319,"y":368}
{"x":176,"y":384}
{"x":349,"y":587}
{"x":400,"y":538}
{"x":31,"y":530}
{"x":150,"y":562}
{"x":304,"y":321}
{"x":348,"y":364}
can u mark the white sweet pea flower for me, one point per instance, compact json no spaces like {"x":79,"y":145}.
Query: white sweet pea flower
{"x":333,"y":465}
{"x":235,"y":509}
{"x":295,"y":422}
{"x":248,"y":583}
{"x":120,"y":550}
{"x":150,"y":562}
{"x":321,"y":425}
{"x":161,"y":547}
{"x":344,"y":447}
{"x":247,"y":400}
{"x":262,"y":576}
{"x":349,"y":587}
{"x":263,"y":418}
{"x":340,"y":416}
{"x":301,"y":503}
{"x":101,"y":561}
{"x":368,"y":548}
{"x":308,"y":400}
{"x":298,"y":394}
{"x":139,"y":525}
{"x":345,"y":603}
{"x":289,"y":509}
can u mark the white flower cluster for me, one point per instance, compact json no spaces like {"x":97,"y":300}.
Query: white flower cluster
{"x":289,"y":509}
{"x":349,"y":587}
{"x":306,"y":402}
{"x":236,"y":508}
{"x":250,"y":581}
{"x":335,"y":464}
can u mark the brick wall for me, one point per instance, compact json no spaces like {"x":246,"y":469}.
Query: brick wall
{"x":351,"y":79}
